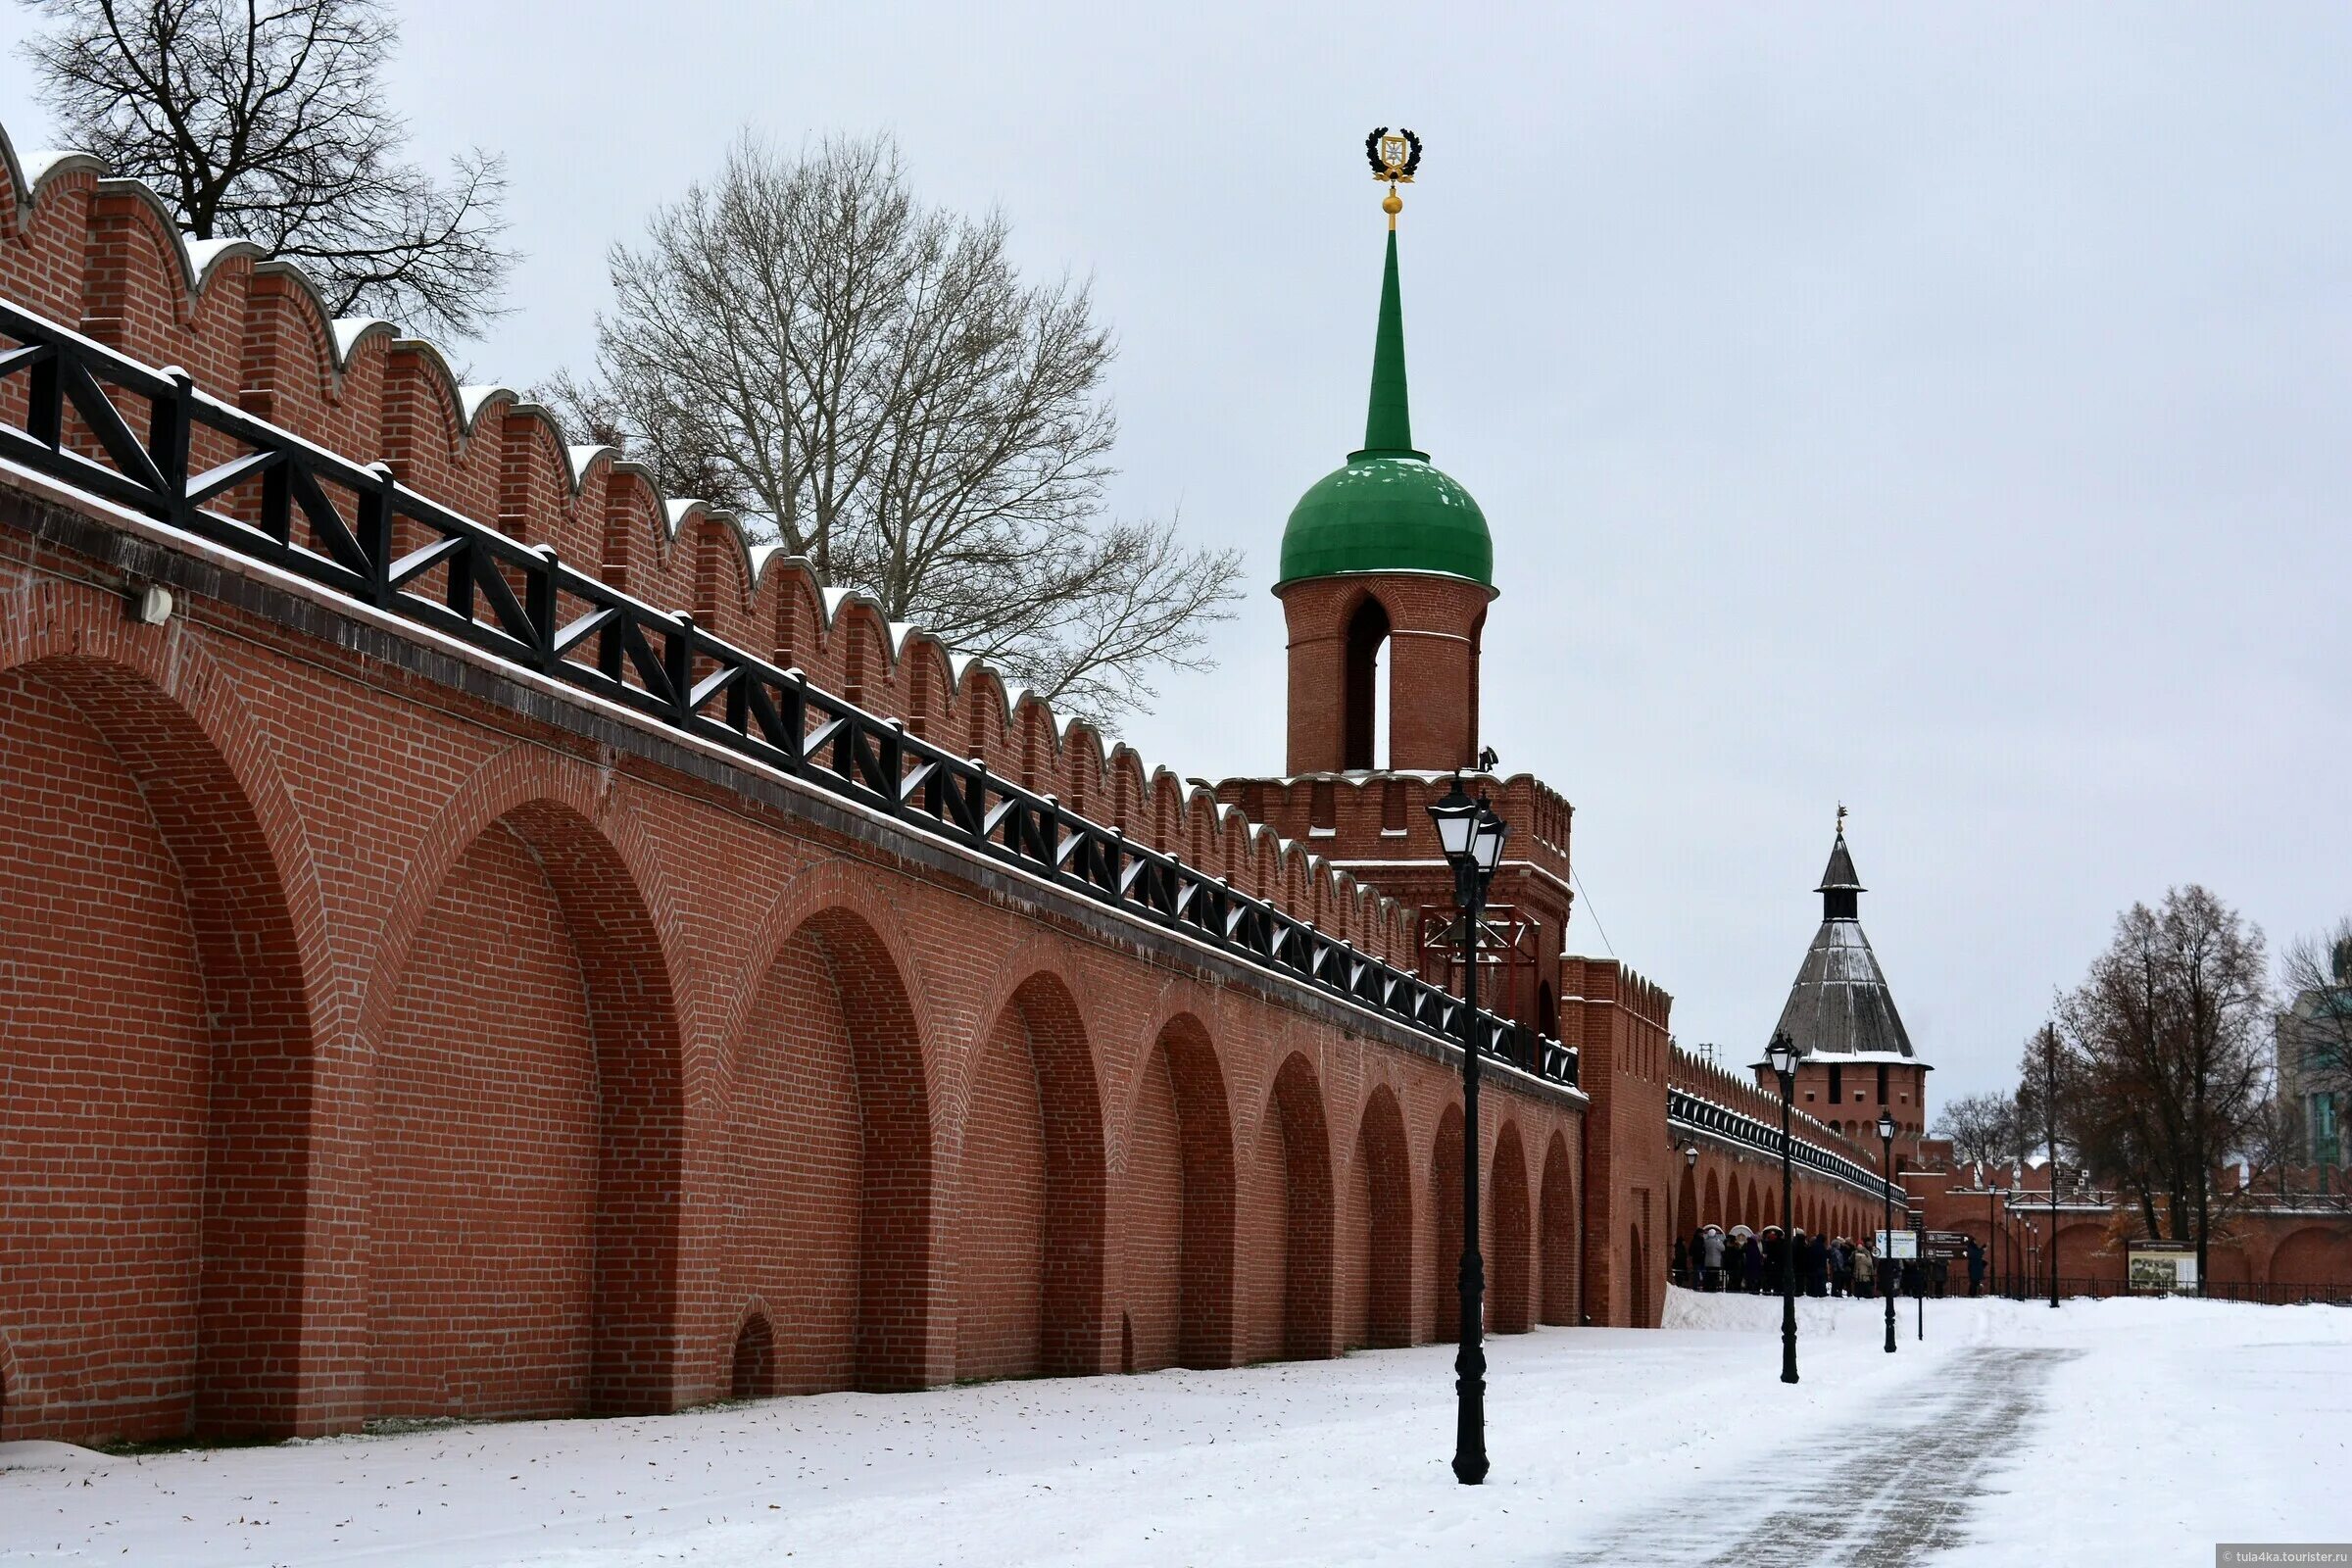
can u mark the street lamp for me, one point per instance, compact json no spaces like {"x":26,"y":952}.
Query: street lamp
{"x":1783,"y":1055}
{"x":1471,"y":835}
{"x":1887,"y":1236}
{"x":2017,"y":1241}
{"x":1691,"y":1167}
{"x":1992,"y":1242}
{"x":2049,"y":1117}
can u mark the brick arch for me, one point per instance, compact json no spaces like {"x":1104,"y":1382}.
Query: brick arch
{"x":1380,"y":1235}
{"x":1510,"y":1305}
{"x":1445,"y":1223}
{"x":521,"y":775}
{"x":529,"y":1076}
{"x":752,"y":1367}
{"x":1031,"y":1190}
{"x":1685,"y":1202}
{"x":1177,"y":1197}
{"x":1711,"y":1210}
{"x":1559,"y":1223}
{"x":2080,"y":1250}
{"x":829,"y":1108}
{"x":1637,"y":1274}
{"x":1294,"y":1128}
{"x":190,"y":996}
{"x":2316,"y":1256}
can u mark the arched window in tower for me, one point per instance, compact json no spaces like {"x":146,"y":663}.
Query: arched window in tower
{"x":1366,"y":739}
{"x":1478,"y":638}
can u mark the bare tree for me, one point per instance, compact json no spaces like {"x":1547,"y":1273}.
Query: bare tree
{"x":870,"y":383}
{"x":1982,"y":1127}
{"x":2164,"y":1075}
{"x":266,"y":122}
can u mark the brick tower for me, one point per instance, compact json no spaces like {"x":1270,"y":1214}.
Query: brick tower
{"x":1385,"y":563}
{"x":1858,"y":1058}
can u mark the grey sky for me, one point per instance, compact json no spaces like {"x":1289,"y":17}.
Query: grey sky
{"x":1941,"y":410}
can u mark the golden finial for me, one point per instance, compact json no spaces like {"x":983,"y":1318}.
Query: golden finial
{"x":1394,"y":158}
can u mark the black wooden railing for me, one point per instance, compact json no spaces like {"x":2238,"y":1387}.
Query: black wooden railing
{"x":269,"y":496}
{"x":1695,"y":1114}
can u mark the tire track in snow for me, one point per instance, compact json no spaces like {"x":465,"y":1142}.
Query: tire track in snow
{"x":1893,"y":1490}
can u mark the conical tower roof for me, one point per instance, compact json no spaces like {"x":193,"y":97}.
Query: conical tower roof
{"x":1841,"y":1007}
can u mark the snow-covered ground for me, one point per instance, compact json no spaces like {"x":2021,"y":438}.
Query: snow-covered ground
{"x":2114,"y":1432}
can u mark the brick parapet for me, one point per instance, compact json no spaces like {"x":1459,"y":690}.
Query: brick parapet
{"x":102,"y":254}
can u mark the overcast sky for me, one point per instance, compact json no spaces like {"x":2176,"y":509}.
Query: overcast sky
{"x":1944,"y":411}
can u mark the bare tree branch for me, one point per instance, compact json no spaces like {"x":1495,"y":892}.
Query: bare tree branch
{"x":266,"y":122}
{"x":872,"y":383}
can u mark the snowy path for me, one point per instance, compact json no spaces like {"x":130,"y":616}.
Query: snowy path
{"x":2135,"y":1431}
{"x":1893,"y":1490}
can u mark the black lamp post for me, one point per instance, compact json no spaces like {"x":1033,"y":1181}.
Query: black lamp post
{"x":1471,"y":835}
{"x":2017,"y":1236}
{"x":1783,"y":1055}
{"x":1992,"y":1241}
{"x":1691,"y":1164}
{"x":1887,"y":1236}
{"x":2049,"y":1117}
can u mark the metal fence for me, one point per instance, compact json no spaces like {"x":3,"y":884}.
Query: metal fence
{"x":2276,"y":1294}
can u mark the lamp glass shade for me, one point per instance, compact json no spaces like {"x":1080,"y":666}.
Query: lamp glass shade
{"x":1485,"y":844}
{"x":1782,"y":1053}
{"x":1887,"y":1126}
{"x":1455,"y":817}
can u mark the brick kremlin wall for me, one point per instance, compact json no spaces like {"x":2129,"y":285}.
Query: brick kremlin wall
{"x":389,"y":1030}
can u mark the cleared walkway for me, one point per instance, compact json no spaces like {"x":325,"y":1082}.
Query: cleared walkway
{"x":1889,"y":1490}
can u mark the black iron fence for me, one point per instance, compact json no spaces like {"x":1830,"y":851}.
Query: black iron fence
{"x":152,"y":442}
{"x":1687,"y":1111}
{"x":2279,"y":1294}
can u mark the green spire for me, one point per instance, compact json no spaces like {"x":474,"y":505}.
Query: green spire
{"x":1387,"y":510}
{"x":1389,"y":425}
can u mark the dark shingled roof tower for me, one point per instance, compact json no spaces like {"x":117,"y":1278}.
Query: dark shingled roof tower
{"x":1839,"y":1007}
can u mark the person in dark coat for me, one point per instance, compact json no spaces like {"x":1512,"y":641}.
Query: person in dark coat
{"x":1976,"y":1267}
{"x":1773,"y":1245}
{"x":1679,"y":1270}
{"x":1817,"y":1267}
{"x":1751,"y":1266}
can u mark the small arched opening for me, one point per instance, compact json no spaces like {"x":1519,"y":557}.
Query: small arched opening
{"x":1365,"y":741}
{"x":754,"y":1373}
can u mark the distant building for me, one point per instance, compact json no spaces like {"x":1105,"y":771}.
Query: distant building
{"x":2315,"y":1049}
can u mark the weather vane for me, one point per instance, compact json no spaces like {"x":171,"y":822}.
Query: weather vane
{"x":1842,"y":819}
{"x":1394,"y":158}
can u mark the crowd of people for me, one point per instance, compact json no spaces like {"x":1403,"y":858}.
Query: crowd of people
{"x":1750,"y":1260}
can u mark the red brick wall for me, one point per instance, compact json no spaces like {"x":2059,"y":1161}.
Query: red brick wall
{"x":532,"y":1067}
{"x":481,"y":1265}
{"x":105,"y":1079}
{"x":797,"y":1176}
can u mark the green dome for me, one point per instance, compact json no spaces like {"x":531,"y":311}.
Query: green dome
{"x":1386,"y":514}
{"x":1388,"y":510}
